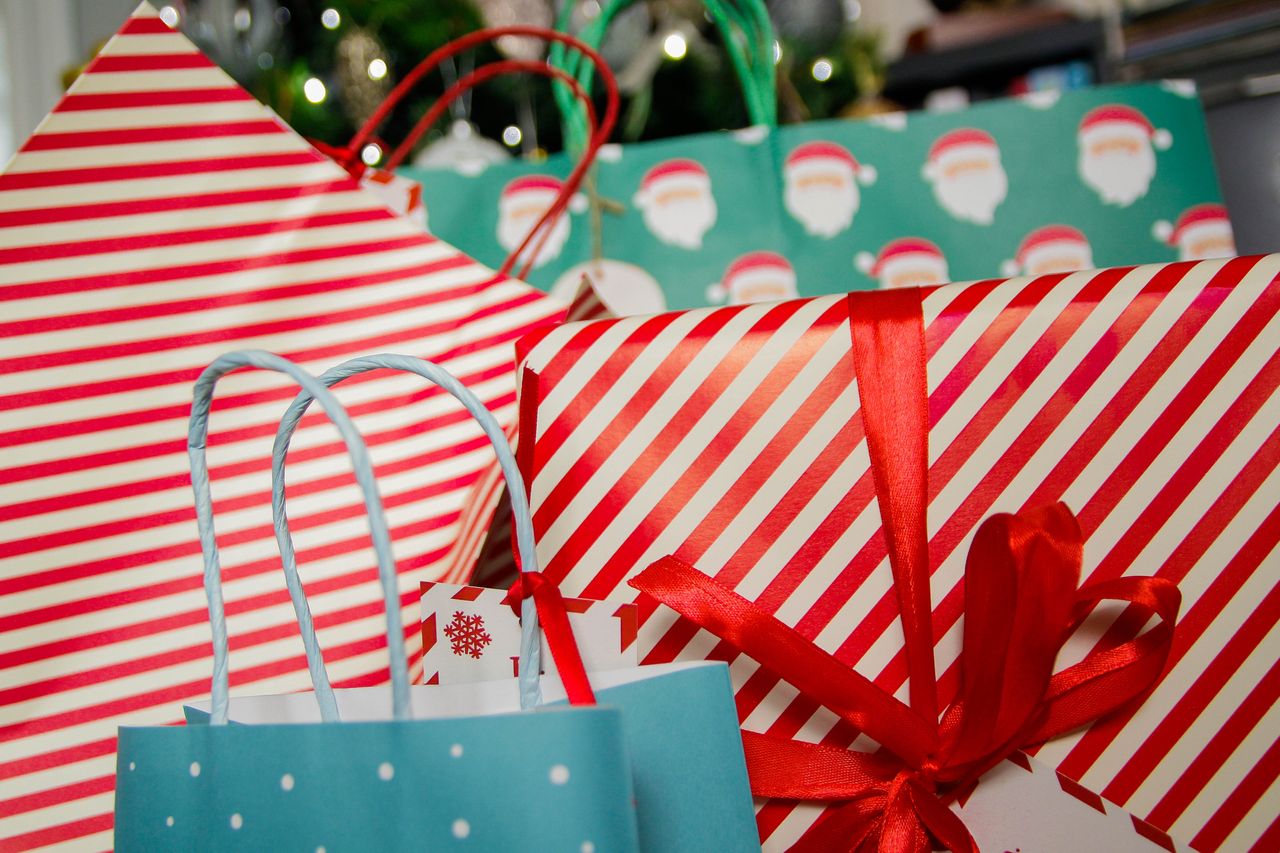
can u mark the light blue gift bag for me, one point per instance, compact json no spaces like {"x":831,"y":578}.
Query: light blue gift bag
{"x":657,"y":765}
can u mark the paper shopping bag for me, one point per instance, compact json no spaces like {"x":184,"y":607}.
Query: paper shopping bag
{"x":159,"y":216}
{"x":395,"y":784}
{"x":703,"y":797}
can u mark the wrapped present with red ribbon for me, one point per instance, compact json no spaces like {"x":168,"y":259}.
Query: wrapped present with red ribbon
{"x":934,"y":528}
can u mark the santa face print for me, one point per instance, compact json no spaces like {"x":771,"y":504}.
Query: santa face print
{"x":820,"y":186}
{"x":680,"y":216}
{"x":1199,"y":244}
{"x":971,"y":186}
{"x":913,"y":272}
{"x":676,"y":202}
{"x":905,"y":262}
{"x":756,"y":277}
{"x":1058,"y":259}
{"x":823,"y":200}
{"x":1117,"y":163}
{"x":1049,"y":249}
{"x":765,"y":290}
{"x":516,"y":217}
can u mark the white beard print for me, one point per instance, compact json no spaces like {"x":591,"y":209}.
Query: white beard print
{"x":1219,"y":244}
{"x":773,"y":289}
{"x":974,"y":194}
{"x":824,"y":208}
{"x":1066,"y":260}
{"x":913,"y":274}
{"x":1120,"y":177}
{"x":680,"y":221}
{"x":512,"y":231}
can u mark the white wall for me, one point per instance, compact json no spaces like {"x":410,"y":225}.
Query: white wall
{"x":39,"y":40}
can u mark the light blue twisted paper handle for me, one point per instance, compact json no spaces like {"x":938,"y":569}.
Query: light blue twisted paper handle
{"x":197,"y":435}
{"x":530,"y":644}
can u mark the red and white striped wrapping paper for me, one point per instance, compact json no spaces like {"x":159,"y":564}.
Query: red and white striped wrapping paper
{"x":159,"y":217}
{"x":1145,"y":398}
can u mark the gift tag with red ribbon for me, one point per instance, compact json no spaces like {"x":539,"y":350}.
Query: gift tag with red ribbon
{"x":471,"y":633}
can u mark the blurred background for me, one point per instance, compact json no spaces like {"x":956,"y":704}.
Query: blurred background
{"x":324,"y":66}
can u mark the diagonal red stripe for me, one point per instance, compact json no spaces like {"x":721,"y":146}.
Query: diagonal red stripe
{"x":49,"y":835}
{"x":130,"y":207}
{"x":158,"y":98}
{"x":1228,"y":739}
{"x":57,"y":758}
{"x":409,"y":337}
{"x":159,"y":133}
{"x":1248,"y":795}
{"x":102,"y":352}
{"x":109,"y":63}
{"x":139,"y":26}
{"x":166,"y":239}
{"x":167,"y":169}
{"x":704,"y":398}
{"x":175,"y":307}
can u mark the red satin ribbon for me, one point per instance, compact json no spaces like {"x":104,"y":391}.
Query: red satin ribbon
{"x":1022,"y":603}
{"x":554,"y":619}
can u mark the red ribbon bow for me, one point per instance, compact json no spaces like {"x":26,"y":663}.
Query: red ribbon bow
{"x":1021,"y":606}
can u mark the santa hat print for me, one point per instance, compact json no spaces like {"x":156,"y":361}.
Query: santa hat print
{"x":1201,"y":216}
{"x":751,"y":269}
{"x":895,"y":250}
{"x":1121,"y":118}
{"x":678,"y":173}
{"x":541,"y":189}
{"x":964,"y":140}
{"x":820,"y":156}
{"x":1050,"y":238}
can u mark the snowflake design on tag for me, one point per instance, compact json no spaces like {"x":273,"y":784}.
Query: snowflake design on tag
{"x":467,"y":635}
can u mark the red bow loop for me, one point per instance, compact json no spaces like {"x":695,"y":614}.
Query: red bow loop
{"x":1020,"y":581}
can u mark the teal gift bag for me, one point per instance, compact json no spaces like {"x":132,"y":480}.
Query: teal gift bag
{"x":1041,"y":184}
{"x":502,"y":765}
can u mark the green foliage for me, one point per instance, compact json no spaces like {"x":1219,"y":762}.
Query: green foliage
{"x":699,"y":93}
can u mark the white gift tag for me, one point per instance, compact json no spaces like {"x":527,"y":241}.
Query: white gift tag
{"x":469,"y":635}
{"x":1024,"y":806}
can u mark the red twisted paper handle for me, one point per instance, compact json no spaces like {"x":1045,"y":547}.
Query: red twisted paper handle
{"x":475,"y":78}
{"x":349,"y":157}
{"x":541,"y":228}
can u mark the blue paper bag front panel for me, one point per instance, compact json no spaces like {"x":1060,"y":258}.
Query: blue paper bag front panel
{"x":550,"y":780}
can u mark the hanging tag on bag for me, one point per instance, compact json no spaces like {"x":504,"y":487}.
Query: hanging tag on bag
{"x":469,"y":634}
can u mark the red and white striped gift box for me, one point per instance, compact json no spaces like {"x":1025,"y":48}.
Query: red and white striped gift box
{"x":159,"y":217}
{"x":1145,"y":398}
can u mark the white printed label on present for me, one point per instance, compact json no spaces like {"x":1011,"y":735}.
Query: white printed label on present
{"x":469,"y":634}
{"x":1024,"y":806}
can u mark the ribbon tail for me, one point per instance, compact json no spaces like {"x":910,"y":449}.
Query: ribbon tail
{"x":798,"y":770}
{"x":554,"y":619}
{"x":784,"y":652}
{"x":942,"y":823}
{"x":903,"y":830}
{"x":889,"y":360}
